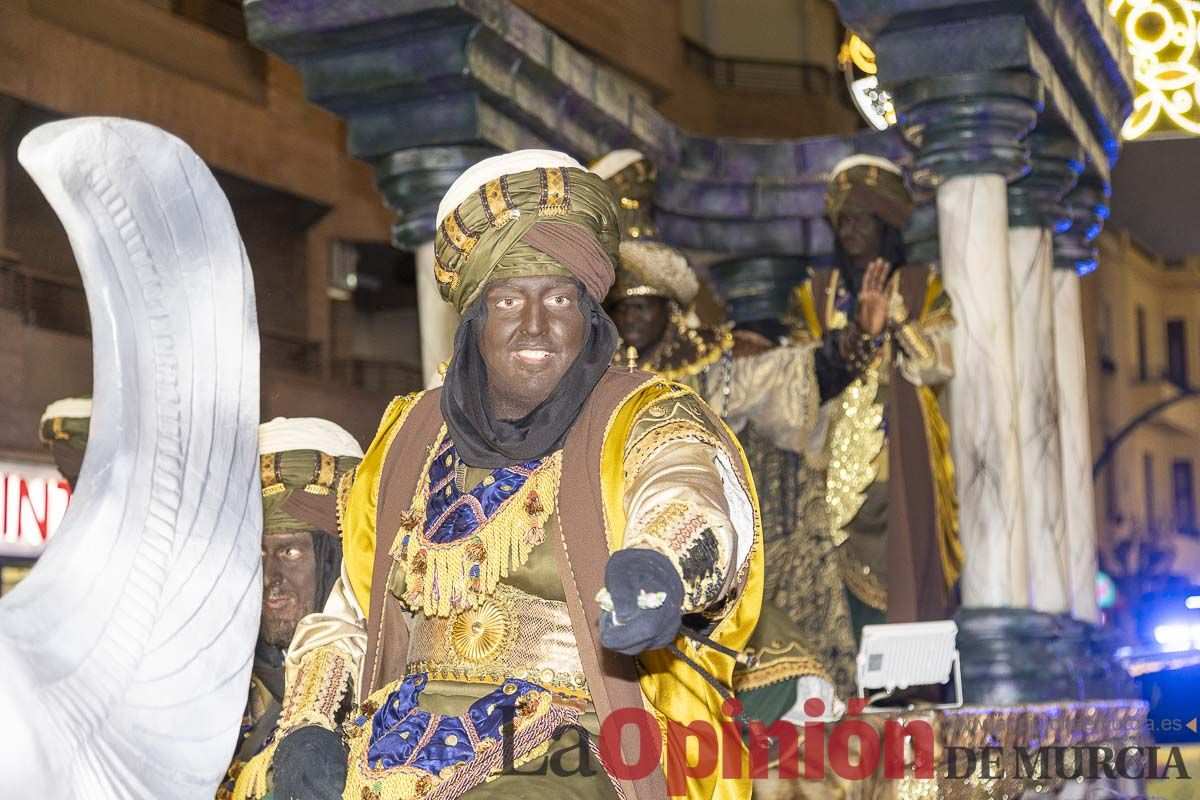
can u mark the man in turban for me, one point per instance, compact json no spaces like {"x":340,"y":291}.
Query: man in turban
{"x":766,"y":393}
{"x":544,"y":540}
{"x":890,"y":481}
{"x":64,"y":429}
{"x":301,"y":461}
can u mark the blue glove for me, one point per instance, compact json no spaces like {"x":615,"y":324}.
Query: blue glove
{"x":642,"y":602}
{"x":310,"y":764}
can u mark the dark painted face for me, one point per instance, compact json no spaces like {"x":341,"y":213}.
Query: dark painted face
{"x":289,"y":584}
{"x":860,"y":234}
{"x":642,"y":321}
{"x":533,"y":332}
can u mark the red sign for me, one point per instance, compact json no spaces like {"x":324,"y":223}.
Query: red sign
{"x":35,"y":499}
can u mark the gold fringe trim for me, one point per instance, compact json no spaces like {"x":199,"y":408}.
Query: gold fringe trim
{"x":854,"y":446}
{"x":784,"y":669}
{"x":313,"y":488}
{"x":437,"y":576}
{"x":535,"y":710}
{"x":273,"y":489}
{"x":343,"y":497}
{"x":252,"y":782}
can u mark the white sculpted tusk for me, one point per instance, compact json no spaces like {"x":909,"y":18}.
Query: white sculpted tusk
{"x":126,"y":652}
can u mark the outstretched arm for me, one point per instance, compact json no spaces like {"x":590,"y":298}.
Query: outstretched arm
{"x":690,"y":525}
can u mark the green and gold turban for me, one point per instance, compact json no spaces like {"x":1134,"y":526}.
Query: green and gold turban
{"x":532,"y":212}
{"x":633,"y":179}
{"x":302,"y":462}
{"x":868,"y":184}
{"x":64,"y":429}
{"x":648,"y":268}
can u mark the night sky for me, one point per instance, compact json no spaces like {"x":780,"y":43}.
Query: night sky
{"x":1156,"y":195}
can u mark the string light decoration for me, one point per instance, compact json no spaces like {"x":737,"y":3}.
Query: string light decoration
{"x":857,"y":61}
{"x":1163,"y":37}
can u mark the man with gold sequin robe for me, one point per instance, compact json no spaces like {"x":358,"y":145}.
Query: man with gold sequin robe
{"x":769,"y":395}
{"x":885,"y":452}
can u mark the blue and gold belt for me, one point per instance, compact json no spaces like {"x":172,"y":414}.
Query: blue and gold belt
{"x":400,"y":752}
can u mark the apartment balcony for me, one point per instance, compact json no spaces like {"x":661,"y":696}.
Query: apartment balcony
{"x":1180,"y":418}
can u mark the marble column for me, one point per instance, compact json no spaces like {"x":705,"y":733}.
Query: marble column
{"x":970,"y":132}
{"x":436,"y":319}
{"x":982,"y":398}
{"x":968,"y":129}
{"x":1076,"y":445}
{"x":1035,"y":209}
{"x":1037,"y":418}
{"x":1087,"y":207}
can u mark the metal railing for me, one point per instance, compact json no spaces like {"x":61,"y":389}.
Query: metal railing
{"x":753,"y":75}
{"x":378,"y":376}
{"x":44,"y":300}
{"x":58,"y":303}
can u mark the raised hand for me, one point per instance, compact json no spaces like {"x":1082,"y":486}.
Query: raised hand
{"x":872,"y":309}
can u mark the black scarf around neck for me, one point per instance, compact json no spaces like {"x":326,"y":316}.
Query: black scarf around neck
{"x":487,"y":442}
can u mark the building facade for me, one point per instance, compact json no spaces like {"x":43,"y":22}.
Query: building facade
{"x":1142,"y":325}
{"x":336,"y":301}
{"x":308,"y":214}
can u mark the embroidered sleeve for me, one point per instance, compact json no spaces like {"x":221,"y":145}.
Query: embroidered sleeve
{"x":925,"y":358}
{"x":316,"y":693}
{"x":342,"y":496}
{"x":677,"y":497}
{"x":776,"y":390}
{"x":323,"y":660}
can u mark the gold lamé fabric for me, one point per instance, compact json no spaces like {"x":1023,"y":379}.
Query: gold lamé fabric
{"x":802,"y":575}
{"x":512,"y":634}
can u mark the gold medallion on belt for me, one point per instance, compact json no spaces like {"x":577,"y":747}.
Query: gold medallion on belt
{"x":482,"y":634}
{"x":510,"y":634}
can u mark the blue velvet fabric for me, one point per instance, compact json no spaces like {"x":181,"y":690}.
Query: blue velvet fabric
{"x":452,"y":515}
{"x":399,"y":726}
